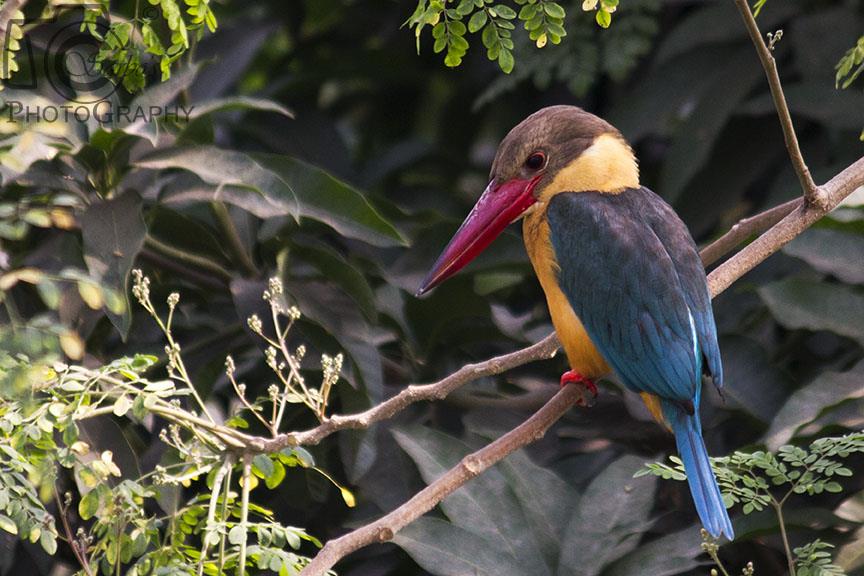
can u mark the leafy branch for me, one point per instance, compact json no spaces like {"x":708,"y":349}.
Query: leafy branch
{"x":40,"y":434}
{"x":850,"y":67}
{"x":542,"y":19}
{"x":761,"y":479}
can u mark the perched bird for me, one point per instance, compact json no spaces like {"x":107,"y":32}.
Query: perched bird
{"x":623,"y":280}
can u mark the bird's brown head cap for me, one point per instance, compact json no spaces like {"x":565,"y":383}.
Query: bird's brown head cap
{"x":555,"y":135}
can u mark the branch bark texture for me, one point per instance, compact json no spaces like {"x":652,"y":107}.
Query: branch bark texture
{"x":812,"y":193}
{"x":383,"y":529}
{"x":542,"y":350}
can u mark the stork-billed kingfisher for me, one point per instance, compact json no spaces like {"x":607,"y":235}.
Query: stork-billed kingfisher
{"x":625,"y":287}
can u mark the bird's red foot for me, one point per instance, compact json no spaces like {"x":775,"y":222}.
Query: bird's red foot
{"x":573,"y":377}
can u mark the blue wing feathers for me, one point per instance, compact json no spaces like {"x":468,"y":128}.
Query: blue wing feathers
{"x":682,"y":250}
{"x":617,"y":275}
{"x":632,"y":274}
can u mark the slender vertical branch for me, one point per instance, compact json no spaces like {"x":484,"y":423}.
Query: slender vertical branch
{"x":223,"y":517}
{"x":812,"y":194}
{"x":790,"y":559}
{"x":80,"y":554}
{"x":244,"y":512}
{"x":210,"y":526}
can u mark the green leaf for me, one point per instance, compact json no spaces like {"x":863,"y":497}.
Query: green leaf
{"x":237,"y":535}
{"x":333,"y":202}
{"x":181,"y":231}
{"x":89,"y":505}
{"x":508,"y":13}
{"x":674,"y":553}
{"x":262,"y":466}
{"x":264,"y":192}
{"x":269,"y":185}
{"x":477,"y":21}
{"x":604,"y":18}
{"x":554,"y":10}
{"x":48,"y":541}
{"x":832,"y":252}
{"x":275,"y":479}
{"x":506,"y":61}
{"x":122,"y":405}
{"x":825,"y":392}
{"x":487,"y":507}
{"x":113,"y":232}
{"x":547,"y":500}
{"x":159,"y":96}
{"x":8,"y":524}
{"x":49,"y":292}
{"x":238,"y":103}
{"x":609,"y":520}
{"x":812,"y":305}
{"x":445,"y":549}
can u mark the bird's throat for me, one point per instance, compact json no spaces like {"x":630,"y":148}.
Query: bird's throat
{"x":608,"y":165}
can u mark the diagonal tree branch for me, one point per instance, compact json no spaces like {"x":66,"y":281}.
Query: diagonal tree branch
{"x":532,"y":429}
{"x":812,"y":193}
{"x":745,"y":228}
{"x":793,"y":216}
{"x":801,"y":218}
{"x":542,"y":350}
{"x":383,"y":529}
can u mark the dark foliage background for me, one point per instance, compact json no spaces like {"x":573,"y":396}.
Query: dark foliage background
{"x":680,"y":79}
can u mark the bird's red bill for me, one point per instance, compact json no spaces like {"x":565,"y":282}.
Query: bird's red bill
{"x":499,"y":205}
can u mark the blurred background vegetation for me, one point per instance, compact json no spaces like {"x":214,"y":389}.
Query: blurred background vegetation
{"x":350,"y":200}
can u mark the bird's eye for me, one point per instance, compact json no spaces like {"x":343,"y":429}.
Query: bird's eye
{"x":535,"y":161}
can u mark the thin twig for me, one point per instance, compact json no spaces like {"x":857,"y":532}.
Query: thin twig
{"x":744,"y":229}
{"x":812,"y":193}
{"x":235,"y":244}
{"x":223,"y":518}
{"x":244,"y":512}
{"x":210,"y":525}
{"x":546,"y":348}
{"x":383,"y":529}
{"x":80,"y":555}
{"x":835,"y":190}
{"x":790,"y":559}
{"x":200,"y":262}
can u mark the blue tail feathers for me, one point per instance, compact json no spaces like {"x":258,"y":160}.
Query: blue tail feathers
{"x":703,"y":485}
